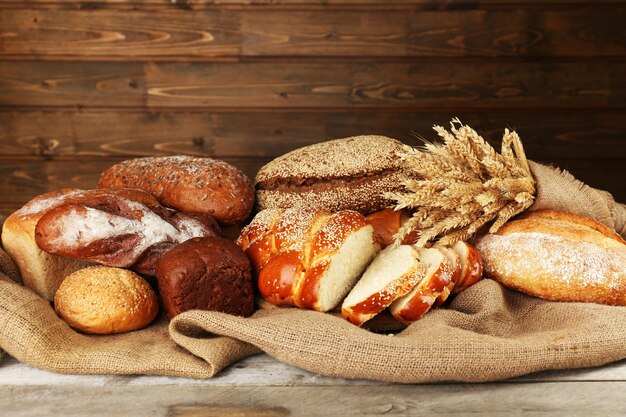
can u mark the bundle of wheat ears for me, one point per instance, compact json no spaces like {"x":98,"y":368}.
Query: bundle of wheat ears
{"x":463,"y":184}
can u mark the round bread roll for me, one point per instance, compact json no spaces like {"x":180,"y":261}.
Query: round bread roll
{"x":208,"y":273}
{"x":105,"y":300}
{"x":343,"y":174}
{"x":188,"y":184}
{"x":558,"y":256}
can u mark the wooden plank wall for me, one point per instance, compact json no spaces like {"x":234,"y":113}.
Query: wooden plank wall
{"x":84,"y":84}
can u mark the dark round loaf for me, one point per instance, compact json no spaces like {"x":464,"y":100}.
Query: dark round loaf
{"x":207,"y":273}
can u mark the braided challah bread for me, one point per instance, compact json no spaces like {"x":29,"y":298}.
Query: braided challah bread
{"x":314,"y":259}
{"x":306,"y":257}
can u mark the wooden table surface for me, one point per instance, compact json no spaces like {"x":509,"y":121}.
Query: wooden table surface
{"x":262,"y":386}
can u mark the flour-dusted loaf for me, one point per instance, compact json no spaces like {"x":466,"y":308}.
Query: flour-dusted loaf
{"x":103,"y":300}
{"x":115,"y":231}
{"x":393,"y":273}
{"x":43,"y":272}
{"x":308,"y":258}
{"x":206,"y":273}
{"x":558,"y":256}
{"x":436,"y":280}
{"x":343,"y":174}
{"x":188,"y":184}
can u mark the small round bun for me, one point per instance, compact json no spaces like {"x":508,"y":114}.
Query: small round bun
{"x":104,"y":300}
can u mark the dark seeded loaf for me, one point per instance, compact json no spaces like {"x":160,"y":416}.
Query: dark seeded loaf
{"x":343,"y":174}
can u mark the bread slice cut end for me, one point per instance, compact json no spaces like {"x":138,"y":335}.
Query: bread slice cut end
{"x":346,"y":267}
{"x":393,"y":273}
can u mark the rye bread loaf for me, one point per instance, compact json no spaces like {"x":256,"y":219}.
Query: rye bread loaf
{"x":343,"y":174}
{"x":206,"y":273}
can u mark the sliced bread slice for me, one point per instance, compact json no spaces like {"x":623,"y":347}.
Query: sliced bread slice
{"x":437,"y":278}
{"x":392,"y":274}
{"x":455,"y":267}
{"x":471,"y":266}
{"x":337,"y":255}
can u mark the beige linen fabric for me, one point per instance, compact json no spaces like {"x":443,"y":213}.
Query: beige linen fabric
{"x":487,"y":333}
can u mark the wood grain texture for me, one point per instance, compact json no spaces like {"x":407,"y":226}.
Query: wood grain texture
{"x":22,"y":179}
{"x":454,"y":84}
{"x":553,"y":399}
{"x":308,"y":4}
{"x":263,"y":369}
{"x":50,"y":33}
{"x":71,"y":84}
{"x":269,"y":134}
{"x":166,"y":34}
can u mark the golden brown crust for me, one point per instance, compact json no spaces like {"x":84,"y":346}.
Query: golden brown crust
{"x":290,"y":251}
{"x":278,"y":275}
{"x":562,"y":228}
{"x":456,"y":269}
{"x":189,"y":184}
{"x":471,"y":267}
{"x":423,"y":297}
{"x":557,"y":256}
{"x":580,"y":223}
{"x":104,"y":300}
{"x":370,"y":307}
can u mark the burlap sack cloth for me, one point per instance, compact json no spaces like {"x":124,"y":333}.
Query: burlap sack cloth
{"x":487,"y":333}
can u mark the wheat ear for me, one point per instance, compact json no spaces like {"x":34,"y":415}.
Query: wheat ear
{"x":463,"y":184}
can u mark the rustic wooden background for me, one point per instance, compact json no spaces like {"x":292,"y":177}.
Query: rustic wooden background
{"x":84,"y":84}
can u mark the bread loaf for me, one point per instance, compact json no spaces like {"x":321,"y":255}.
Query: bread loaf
{"x":207,"y":273}
{"x":115,"y":231}
{"x":43,"y":272}
{"x":307,"y":257}
{"x":558,"y":256}
{"x":188,"y":184}
{"x":344,"y":174}
{"x":410,"y":281}
{"x":102,"y":300}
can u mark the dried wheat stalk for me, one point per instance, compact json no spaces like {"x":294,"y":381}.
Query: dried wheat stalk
{"x":463,"y":184}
